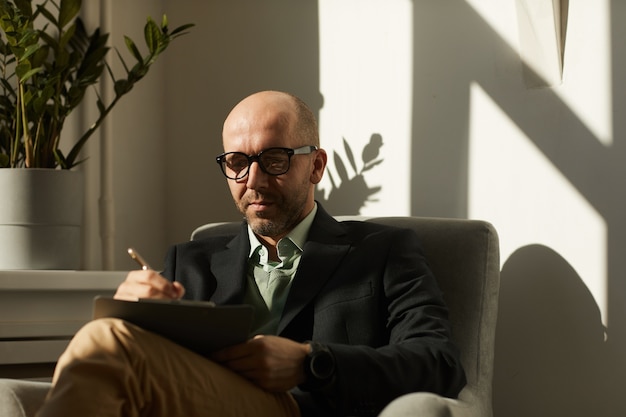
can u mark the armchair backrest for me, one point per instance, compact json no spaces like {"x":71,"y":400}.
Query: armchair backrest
{"x":464,"y":256}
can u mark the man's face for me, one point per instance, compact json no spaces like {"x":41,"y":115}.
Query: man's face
{"x":272,"y":205}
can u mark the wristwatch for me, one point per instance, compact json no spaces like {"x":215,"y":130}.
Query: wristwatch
{"x":319,"y":367}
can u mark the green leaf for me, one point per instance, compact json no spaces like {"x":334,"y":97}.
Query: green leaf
{"x":133,"y":48}
{"x":24,"y":7}
{"x":22,"y":69}
{"x":62,"y":58}
{"x":30,"y":50}
{"x":122,"y":87}
{"x":27,"y":38}
{"x":42,"y":10}
{"x":138,"y":71}
{"x":152,"y":33}
{"x":79,"y":40}
{"x":74,"y":96}
{"x":60,"y":158}
{"x":39,"y":58}
{"x":67,"y":36}
{"x":40,"y":101}
{"x":180,"y":29}
{"x":68,"y":11}
{"x":49,"y":40}
{"x":95,"y":52}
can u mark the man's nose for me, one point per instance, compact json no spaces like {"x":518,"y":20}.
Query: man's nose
{"x":256,"y":177}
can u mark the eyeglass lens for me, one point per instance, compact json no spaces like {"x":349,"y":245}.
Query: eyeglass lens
{"x":273,"y":161}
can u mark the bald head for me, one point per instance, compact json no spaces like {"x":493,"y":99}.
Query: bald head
{"x":276,"y":112}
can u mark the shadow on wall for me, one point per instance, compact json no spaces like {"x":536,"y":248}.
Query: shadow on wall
{"x":352,"y":193}
{"x":553,"y":356}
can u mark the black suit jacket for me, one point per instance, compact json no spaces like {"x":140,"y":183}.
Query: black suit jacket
{"x":362,"y":289}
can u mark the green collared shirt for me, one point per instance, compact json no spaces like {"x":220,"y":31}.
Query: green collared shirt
{"x":269,"y":281}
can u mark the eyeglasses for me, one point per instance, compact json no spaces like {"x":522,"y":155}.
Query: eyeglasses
{"x":272,"y":161}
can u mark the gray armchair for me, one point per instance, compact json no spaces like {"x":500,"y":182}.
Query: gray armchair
{"x":465,"y":258}
{"x":464,"y":255}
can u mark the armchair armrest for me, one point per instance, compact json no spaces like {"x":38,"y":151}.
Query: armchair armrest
{"x":19,"y":398}
{"x":426,"y":404}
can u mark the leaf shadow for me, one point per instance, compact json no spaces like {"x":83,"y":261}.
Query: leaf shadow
{"x":349,"y":195}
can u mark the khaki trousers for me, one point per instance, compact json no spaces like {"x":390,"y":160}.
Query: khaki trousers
{"x":113,"y":368}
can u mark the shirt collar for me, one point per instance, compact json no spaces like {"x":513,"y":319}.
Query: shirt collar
{"x":297,"y":236}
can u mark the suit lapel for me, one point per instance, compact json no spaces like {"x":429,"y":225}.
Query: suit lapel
{"x":324,"y":250}
{"x":229,"y":267}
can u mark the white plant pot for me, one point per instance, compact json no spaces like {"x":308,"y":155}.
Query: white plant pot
{"x":41,"y":217}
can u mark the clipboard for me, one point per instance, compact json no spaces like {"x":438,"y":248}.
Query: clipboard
{"x":200,"y":326}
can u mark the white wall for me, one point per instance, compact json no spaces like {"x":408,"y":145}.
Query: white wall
{"x":468,"y":129}
{"x":366,"y":71}
{"x":544,"y":166}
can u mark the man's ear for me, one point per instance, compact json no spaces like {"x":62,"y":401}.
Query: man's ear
{"x":319,"y":164}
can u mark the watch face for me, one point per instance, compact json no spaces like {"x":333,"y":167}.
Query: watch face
{"x":319,"y":367}
{"x":322,"y":365}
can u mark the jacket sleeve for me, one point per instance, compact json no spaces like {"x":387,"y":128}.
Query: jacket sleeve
{"x":419,"y":355}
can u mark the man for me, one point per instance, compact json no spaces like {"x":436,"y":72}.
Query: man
{"x":348,"y":315}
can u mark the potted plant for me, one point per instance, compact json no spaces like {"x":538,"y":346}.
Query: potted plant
{"x":48,"y":60}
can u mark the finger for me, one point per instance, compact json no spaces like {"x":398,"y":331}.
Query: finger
{"x":147,"y":284}
{"x":178,"y":290}
{"x":123,"y":293}
{"x":156,"y":282}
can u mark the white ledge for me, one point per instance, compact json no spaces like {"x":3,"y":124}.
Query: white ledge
{"x":22,"y":280}
{"x":41,"y":310}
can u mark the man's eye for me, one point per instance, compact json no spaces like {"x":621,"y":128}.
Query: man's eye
{"x":237,"y":165}
{"x":274,"y":162}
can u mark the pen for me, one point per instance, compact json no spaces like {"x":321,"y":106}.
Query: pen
{"x":137,"y":258}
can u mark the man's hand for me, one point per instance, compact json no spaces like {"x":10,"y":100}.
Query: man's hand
{"x":148,"y":284}
{"x":271,"y":362}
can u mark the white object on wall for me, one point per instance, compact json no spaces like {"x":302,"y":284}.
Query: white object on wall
{"x":541,"y":40}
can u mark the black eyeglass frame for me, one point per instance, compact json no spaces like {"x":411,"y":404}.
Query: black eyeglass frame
{"x":303,"y":150}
